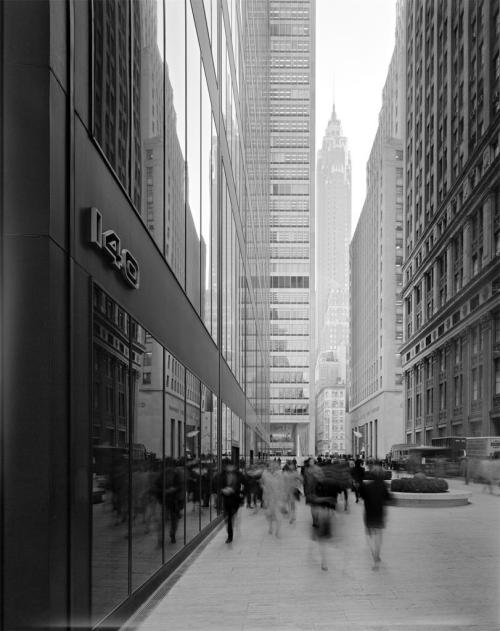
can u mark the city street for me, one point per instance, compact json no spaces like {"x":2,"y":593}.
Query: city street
{"x":440,"y":570}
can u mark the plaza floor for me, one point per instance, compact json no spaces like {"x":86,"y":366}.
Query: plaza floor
{"x":440,"y":570}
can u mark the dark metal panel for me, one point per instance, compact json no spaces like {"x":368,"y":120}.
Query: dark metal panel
{"x":26,"y":32}
{"x":26,"y":142}
{"x":80,"y":452}
{"x":35,"y":544}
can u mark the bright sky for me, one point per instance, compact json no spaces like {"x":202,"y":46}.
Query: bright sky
{"x":354,"y":44}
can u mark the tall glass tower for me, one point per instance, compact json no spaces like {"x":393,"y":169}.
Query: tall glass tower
{"x":292,"y":155}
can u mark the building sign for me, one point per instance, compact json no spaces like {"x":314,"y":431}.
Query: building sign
{"x":110,"y":245}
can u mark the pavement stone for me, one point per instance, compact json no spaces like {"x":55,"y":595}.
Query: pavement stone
{"x":440,"y":570}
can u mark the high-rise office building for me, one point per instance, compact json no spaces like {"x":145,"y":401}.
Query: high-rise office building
{"x":376,"y":254}
{"x":451,"y":270}
{"x":135,"y":276}
{"x":292,"y":156}
{"x":333,"y":233}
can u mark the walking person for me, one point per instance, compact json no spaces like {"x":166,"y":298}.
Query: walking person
{"x":357,"y":474}
{"x":311,"y":475}
{"x":344,"y":480}
{"x":292,"y":483}
{"x":273,"y":495}
{"x":231,"y":484}
{"x":375,"y":496}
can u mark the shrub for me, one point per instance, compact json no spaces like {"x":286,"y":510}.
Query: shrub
{"x":369,"y":475}
{"x":419,"y":485}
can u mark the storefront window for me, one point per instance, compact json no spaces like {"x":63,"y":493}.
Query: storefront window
{"x":154,"y":453}
{"x":192,"y":449}
{"x":208,"y":458}
{"x":147,"y":456}
{"x":110,"y":457}
{"x":174,"y":477}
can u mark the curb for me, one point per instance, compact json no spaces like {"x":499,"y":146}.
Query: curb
{"x":432,"y":500}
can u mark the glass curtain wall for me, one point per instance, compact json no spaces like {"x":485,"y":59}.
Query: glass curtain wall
{"x":152,"y":120}
{"x":197,"y":175}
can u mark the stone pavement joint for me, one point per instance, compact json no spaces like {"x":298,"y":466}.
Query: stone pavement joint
{"x":440,"y":571}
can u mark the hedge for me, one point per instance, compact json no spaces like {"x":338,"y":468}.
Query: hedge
{"x":369,"y":475}
{"x":419,"y":485}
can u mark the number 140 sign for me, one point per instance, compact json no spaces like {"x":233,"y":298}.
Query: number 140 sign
{"x":109,"y":243}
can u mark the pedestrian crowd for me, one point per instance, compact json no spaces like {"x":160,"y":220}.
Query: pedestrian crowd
{"x":325,"y":484}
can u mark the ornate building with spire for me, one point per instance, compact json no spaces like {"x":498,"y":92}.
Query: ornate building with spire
{"x":333,"y":230}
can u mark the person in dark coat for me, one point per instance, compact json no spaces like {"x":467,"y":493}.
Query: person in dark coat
{"x":375,"y":496}
{"x":231,"y":489}
{"x":323,"y":501}
{"x":357,"y":474}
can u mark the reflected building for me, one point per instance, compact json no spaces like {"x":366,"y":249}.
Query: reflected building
{"x":144,"y":300}
{"x":333,"y":234}
{"x":451,"y":293}
{"x":292,"y":155}
{"x":376,"y":258}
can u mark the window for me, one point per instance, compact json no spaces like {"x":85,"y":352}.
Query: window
{"x":429,"y":403}
{"x":497,"y":376}
{"x":474,"y":340}
{"x":458,"y":390}
{"x":475,"y":384}
{"x":497,"y":328}
{"x":442,"y":396}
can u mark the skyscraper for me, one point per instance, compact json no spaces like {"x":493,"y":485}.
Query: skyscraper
{"x":333,"y":216}
{"x":451,"y":296}
{"x":292,"y":155}
{"x":376,"y":280}
{"x":333,"y":236}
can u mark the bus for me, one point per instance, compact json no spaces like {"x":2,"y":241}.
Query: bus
{"x":398,"y":456}
{"x":431,"y":460}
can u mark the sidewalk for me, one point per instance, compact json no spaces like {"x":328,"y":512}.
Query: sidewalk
{"x":440,"y":570}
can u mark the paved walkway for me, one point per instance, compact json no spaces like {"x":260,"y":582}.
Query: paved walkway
{"x":440,"y":570}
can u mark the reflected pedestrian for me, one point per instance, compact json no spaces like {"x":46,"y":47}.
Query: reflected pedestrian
{"x":171,"y":495}
{"x":375,"y":496}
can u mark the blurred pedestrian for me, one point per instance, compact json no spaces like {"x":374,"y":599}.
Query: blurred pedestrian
{"x":375,"y":496}
{"x":292,"y":484}
{"x":357,"y":474}
{"x":312,"y":474}
{"x":323,"y":502}
{"x":231,"y":495}
{"x":273,"y":496}
{"x":344,"y":480}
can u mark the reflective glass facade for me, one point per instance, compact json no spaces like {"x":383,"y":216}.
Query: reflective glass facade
{"x":292,"y":155}
{"x":150,"y":273}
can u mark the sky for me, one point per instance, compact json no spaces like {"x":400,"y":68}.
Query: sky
{"x":354,"y":44}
